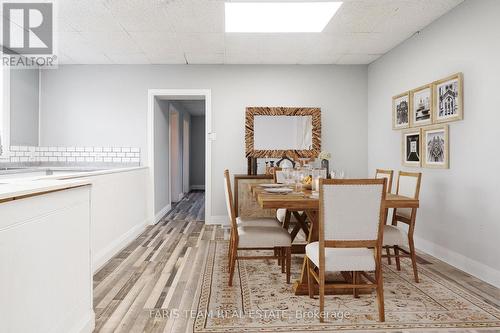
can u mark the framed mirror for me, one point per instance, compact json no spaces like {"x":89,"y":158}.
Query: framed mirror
{"x":278,"y":131}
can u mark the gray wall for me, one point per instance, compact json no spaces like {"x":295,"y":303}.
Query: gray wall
{"x":197,"y":151}
{"x":24,"y":97}
{"x":107,"y":105}
{"x":161,"y":134}
{"x":458,"y":218}
{"x":162,"y":110}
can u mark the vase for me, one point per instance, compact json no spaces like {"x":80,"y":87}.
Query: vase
{"x":325,"y":164}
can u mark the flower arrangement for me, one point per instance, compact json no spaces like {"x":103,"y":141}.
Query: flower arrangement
{"x":324,"y":155}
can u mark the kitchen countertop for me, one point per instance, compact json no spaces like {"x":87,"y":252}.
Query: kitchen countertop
{"x":14,"y":188}
{"x":11,"y":190}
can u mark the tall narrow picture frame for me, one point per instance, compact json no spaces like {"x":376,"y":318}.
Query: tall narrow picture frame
{"x":421,"y":106}
{"x":449,"y":99}
{"x":435,"y":146}
{"x":411,"y":147}
{"x":401,"y":111}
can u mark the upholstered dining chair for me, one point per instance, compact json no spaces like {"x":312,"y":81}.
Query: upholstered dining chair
{"x":394,"y":236}
{"x":387,"y":174}
{"x":350,"y":237}
{"x":255,"y":237}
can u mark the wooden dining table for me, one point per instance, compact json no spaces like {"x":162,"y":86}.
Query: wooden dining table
{"x":304,"y":201}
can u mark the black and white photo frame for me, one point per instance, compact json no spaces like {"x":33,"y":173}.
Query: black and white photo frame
{"x":411,"y":147}
{"x":448,"y":99}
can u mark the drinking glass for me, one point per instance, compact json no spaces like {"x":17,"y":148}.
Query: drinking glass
{"x":317,"y":174}
{"x":298,"y":177}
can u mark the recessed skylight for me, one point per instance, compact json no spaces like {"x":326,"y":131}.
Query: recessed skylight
{"x":277,"y":17}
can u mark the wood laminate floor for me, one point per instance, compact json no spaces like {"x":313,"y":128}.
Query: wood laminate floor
{"x":162,"y":268}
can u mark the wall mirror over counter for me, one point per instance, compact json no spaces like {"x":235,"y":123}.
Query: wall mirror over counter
{"x":274,"y":132}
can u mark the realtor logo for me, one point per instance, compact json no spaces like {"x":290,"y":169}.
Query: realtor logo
{"x":28,"y":35}
{"x":27,"y":28}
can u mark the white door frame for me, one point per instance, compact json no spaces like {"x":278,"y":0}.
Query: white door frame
{"x":207,"y":94}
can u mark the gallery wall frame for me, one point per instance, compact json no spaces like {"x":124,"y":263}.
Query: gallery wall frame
{"x":435,"y":146}
{"x":449,"y":99}
{"x":422,"y":106}
{"x":401,"y":111}
{"x":411,"y":147}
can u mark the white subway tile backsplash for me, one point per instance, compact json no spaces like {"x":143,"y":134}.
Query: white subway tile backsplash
{"x":74,"y":154}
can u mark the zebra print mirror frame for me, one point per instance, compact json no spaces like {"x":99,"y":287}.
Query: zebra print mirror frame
{"x":251,"y":112}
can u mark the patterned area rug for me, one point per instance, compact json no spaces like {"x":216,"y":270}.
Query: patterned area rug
{"x":261,"y":301}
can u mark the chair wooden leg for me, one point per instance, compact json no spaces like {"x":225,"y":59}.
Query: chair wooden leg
{"x":288,"y":263}
{"x":230,"y":248}
{"x":413,"y":255}
{"x":398,"y":262}
{"x":283,"y":257}
{"x":232,"y":265}
{"x":388,"y":251}
{"x":321,"y":296}
{"x":380,"y":294}
{"x":355,"y":280}
{"x":310,"y":278}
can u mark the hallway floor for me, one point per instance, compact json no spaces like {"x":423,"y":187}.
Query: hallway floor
{"x":158,"y":270}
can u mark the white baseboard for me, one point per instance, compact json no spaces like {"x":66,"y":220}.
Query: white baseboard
{"x":87,"y":325}
{"x":162,"y":213}
{"x":99,"y":259}
{"x":466,"y":264}
{"x":197,"y":187}
{"x":217,"y":219}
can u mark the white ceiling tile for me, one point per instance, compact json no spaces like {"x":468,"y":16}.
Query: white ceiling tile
{"x":201,"y":43}
{"x":357,"y":59}
{"x":171,"y":31}
{"x":154,"y":42}
{"x":128,"y":58}
{"x":242,"y":58}
{"x":205,"y":58}
{"x":167,"y":58}
{"x":112,"y":42}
